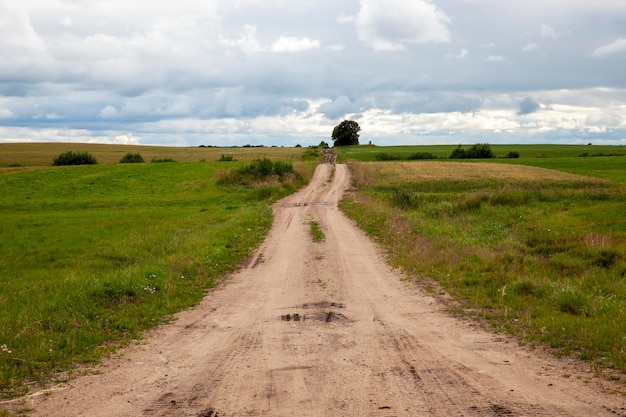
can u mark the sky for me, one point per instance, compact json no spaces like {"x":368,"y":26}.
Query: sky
{"x":285,"y":72}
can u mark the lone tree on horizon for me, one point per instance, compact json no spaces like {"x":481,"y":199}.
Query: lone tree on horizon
{"x":346,"y":133}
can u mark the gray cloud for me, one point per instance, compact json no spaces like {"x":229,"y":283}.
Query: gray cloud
{"x":287,"y":71}
{"x":338,"y":108}
{"x":528,"y":106}
{"x":393,"y":24}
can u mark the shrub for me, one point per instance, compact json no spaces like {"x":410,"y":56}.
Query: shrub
{"x":458,"y":153}
{"x":480,"y":151}
{"x":382,"y":156}
{"x":132,"y":158}
{"x":74,"y":158}
{"x":162,"y":160}
{"x":421,"y":155}
{"x":512,"y":154}
{"x":226,"y":158}
{"x":477,"y":151}
{"x":258,"y":171}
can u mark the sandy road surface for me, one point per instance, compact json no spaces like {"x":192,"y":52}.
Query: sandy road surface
{"x":324,"y":329}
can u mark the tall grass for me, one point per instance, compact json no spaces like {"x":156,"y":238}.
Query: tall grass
{"x":94,"y":255}
{"x":538,"y":253}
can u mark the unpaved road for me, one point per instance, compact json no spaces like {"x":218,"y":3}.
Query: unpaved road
{"x":325,"y":329}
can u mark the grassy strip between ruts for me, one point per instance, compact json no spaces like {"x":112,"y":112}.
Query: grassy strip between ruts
{"x":97,"y":254}
{"x":317,"y":234}
{"x":537,"y":252}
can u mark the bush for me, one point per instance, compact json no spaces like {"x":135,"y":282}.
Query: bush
{"x":74,"y":158}
{"x":258,"y":171}
{"x":421,"y":155}
{"x":132,"y":158}
{"x":480,"y":151}
{"x":512,"y":154}
{"x":162,"y":160}
{"x":477,"y":151}
{"x":382,"y":156}
{"x":458,"y":153}
{"x":226,"y":158}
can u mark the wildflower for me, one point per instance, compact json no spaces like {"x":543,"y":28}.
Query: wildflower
{"x":4,"y":348}
{"x":149,"y":289}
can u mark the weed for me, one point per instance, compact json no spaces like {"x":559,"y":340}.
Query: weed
{"x":323,"y":284}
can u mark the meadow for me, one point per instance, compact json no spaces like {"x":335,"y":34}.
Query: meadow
{"x":368,"y":152}
{"x":91,"y":256}
{"x":533,"y":246}
{"x":21,"y":155}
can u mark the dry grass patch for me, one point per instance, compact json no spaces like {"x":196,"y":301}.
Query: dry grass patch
{"x":435,"y":171}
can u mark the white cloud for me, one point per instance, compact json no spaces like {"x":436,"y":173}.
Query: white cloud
{"x":286,"y":44}
{"x":461,"y":55}
{"x":345,"y":18}
{"x":152,"y":71}
{"x":6,"y":114}
{"x":390,"y":25}
{"x":108,"y":112}
{"x":616,"y":47}
{"x":548,"y":31}
{"x":247,"y":43}
{"x":336,"y":47}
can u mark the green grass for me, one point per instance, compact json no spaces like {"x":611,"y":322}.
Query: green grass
{"x":606,"y":167}
{"x":368,"y":153}
{"x":536,"y":253}
{"x":28,"y":155}
{"x":316,"y":232}
{"x":94,"y":255}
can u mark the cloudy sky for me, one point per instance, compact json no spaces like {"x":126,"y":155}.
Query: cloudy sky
{"x":285,"y":72}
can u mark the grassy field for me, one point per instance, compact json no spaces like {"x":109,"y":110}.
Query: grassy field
{"x":537,"y":252}
{"x":91,"y":256}
{"x":15,"y":155}
{"x":526,"y":152}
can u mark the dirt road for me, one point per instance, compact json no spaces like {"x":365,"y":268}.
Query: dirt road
{"x":325,"y":329}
